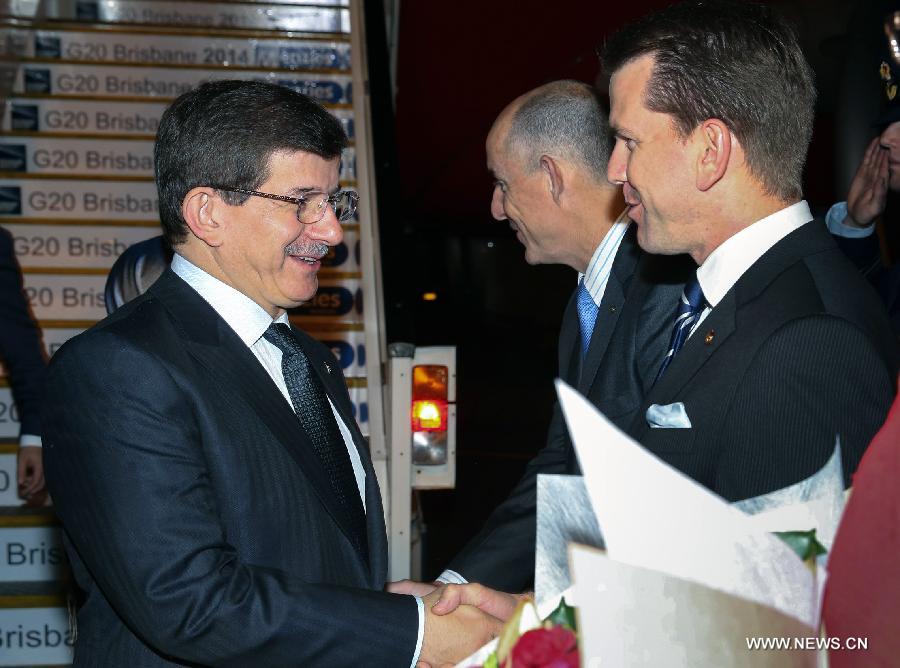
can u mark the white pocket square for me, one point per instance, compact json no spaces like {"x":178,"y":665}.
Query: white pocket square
{"x":670,"y":416}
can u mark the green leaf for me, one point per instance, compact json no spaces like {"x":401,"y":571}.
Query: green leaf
{"x":491,"y":661}
{"x":804,"y":543}
{"x":564,"y":615}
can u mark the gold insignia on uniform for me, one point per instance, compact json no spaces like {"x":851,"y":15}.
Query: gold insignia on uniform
{"x":891,"y":91}
{"x":885,"y":71}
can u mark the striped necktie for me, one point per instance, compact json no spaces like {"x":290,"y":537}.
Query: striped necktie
{"x":587,"y":316}
{"x":689,"y":309}
{"x":317,"y":419}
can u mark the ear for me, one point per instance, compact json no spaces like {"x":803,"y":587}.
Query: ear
{"x":554,"y":176}
{"x":199,"y":210}
{"x":715,"y":152}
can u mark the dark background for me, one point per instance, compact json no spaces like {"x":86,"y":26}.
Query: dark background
{"x":458,"y":65}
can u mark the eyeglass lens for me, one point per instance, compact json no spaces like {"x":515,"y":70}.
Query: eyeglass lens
{"x":312,"y":211}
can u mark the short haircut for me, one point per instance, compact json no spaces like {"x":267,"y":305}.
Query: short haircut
{"x":223,"y":133}
{"x":735,"y":61}
{"x":562,"y":118}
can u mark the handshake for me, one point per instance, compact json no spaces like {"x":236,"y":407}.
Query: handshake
{"x":459,"y":618}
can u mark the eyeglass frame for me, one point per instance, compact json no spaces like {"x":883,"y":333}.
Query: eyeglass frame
{"x":303,"y":199}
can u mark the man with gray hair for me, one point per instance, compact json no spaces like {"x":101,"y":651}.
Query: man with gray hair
{"x":548,"y":152}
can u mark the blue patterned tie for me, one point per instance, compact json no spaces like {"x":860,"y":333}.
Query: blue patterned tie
{"x":587,"y":316}
{"x":689,"y":309}
{"x":317,"y":419}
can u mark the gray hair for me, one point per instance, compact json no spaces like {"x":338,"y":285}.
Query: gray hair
{"x":562,"y":118}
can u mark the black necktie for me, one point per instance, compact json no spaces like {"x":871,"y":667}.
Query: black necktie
{"x":689,"y":309}
{"x":317,"y":419}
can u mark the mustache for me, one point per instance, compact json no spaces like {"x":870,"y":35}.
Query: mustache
{"x":317,"y":250}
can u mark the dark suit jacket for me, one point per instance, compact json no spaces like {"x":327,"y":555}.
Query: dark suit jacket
{"x":629,"y":341}
{"x":20,"y":341}
{"x":200,"y":525}
{"x":798,"y":351}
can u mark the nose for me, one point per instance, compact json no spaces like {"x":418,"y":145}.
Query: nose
{"x":497,"y":210}
{"x":327,"y":230}
{"x":616,"y":169}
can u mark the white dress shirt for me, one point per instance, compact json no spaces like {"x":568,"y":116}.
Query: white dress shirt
{"x":727,"y":263}
{"x":599,"y":268}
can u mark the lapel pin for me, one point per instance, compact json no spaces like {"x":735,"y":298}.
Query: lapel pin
{"x":710,"y":335}
{"x":612,"y":309}
{"x":327,"y":367}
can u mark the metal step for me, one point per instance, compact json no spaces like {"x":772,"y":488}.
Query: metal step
{"x":34,"y":625}
{"x":31,"y":546}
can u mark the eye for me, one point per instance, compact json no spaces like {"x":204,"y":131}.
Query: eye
{"x":628,"y":141}
{"x":500,"y":184}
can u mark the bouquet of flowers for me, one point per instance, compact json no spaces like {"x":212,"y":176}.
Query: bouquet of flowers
{"x":529,"y":642}
{"x":686,"y":578}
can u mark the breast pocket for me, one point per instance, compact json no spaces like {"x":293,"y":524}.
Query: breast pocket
{"x":619,"y":406}
{"x":664,"y":440}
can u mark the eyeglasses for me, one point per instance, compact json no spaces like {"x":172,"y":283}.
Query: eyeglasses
{"x":311,"y":206}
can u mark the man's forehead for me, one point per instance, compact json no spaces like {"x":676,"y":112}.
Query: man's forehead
{"x":626,"y":89}
{"x":302,"y":170}
{"x":495,"y":147}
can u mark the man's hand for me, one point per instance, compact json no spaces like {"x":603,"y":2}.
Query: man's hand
{"x":411,"y":587}
{"x":30,"y":472}
{"x":451,"y":637}
{"x":495,"y":603}
{"x":868,"y":190}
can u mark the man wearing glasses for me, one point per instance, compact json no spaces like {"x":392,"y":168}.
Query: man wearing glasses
{"x":218,"y":499}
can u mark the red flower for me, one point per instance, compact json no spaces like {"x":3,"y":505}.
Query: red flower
{"x":555,"y":647}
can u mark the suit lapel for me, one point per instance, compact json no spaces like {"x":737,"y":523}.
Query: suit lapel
{"x":701,"y":345}
{"x":229,"y":363}
{"x":712,"y":333}
{"x":570,"y":343}
{"x":327,"y":369}
{"x":335,"y":386}
{"x":610,"y":308}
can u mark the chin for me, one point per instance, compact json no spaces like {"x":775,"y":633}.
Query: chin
{"x":301,"y":293}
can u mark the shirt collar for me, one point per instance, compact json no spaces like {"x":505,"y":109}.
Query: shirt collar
{"x":727,"y":263}
{"x":247,"y":318}
{"x":600,"y":265}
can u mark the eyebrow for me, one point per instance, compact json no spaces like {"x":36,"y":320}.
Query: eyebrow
{"x":300,"y":191}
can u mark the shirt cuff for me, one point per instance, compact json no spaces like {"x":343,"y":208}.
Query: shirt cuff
{"x":29,"y":441}
{"x":451,"y":577}
{"x":421,"y":635}
{"x":835,"y":218}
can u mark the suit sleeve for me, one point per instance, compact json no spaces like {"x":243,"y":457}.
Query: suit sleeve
{"x":814,"y":379}
{"x":502,"y":554}
{"x":20,"y":342}
{"x":134,"y":494}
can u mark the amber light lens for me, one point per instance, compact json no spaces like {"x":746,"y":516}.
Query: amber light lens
{"x":429,"y":415}
{"x":429,"y":382}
